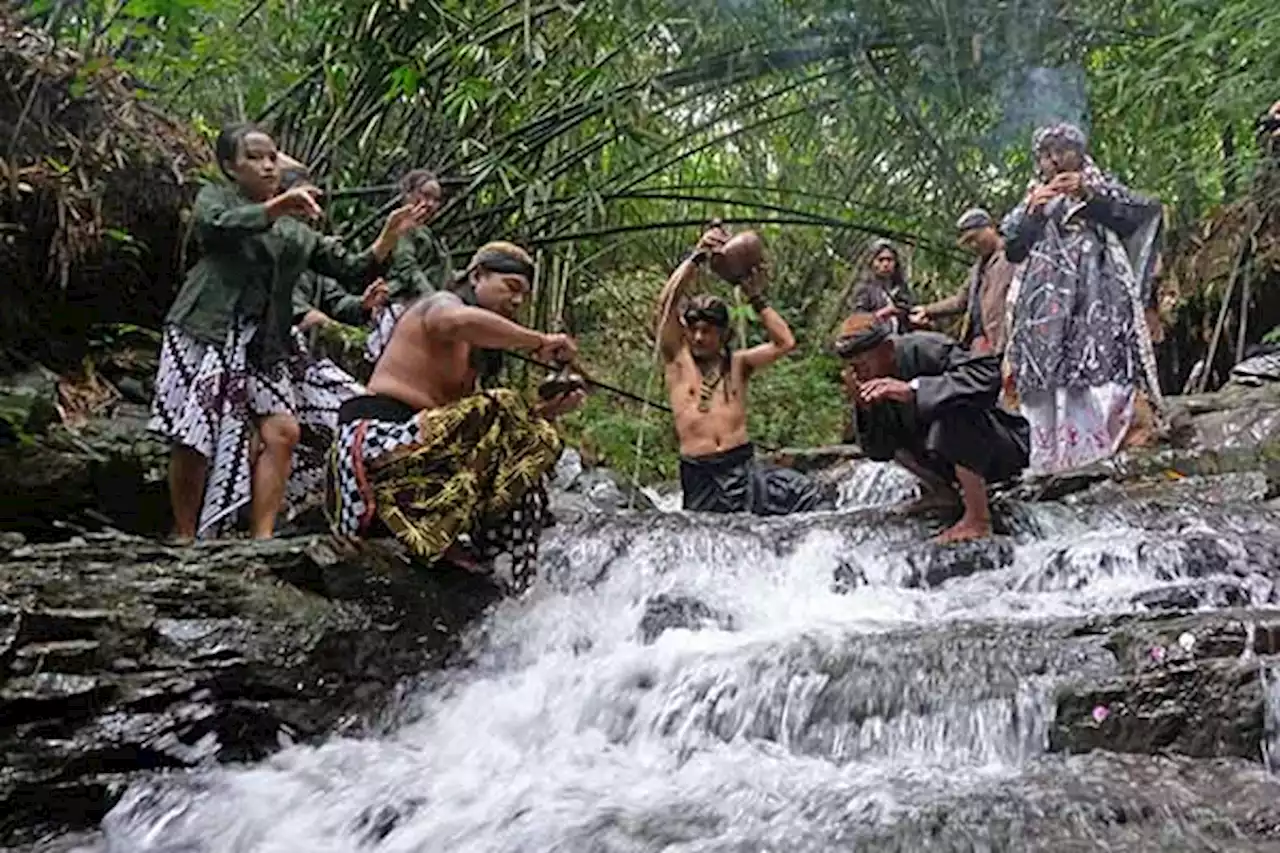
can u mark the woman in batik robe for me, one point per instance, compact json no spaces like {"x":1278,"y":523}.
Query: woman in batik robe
{"x":232,"y":391}
{"x":1079,"y":348}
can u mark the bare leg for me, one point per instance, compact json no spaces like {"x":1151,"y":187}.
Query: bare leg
{"x":936,"y":493}
{"x":280,"y":435}
{"x":976,"y":521}
{"x":187,"y":469}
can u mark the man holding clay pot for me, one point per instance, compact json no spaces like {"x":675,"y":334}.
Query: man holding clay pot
{"x":707,"y":381}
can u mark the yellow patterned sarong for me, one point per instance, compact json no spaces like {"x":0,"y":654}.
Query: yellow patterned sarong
{"x":473,"y":470}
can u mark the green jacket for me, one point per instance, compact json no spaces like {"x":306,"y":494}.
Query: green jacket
{"x":248,"y":268}
{"x":419,"y":265}
{"x":327,"y":296}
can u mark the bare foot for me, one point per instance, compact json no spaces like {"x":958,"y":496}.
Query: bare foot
{"x":964,"y":530}
{"x":930,"y":501}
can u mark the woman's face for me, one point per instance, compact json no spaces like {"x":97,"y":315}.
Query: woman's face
{"x":428,"y":193}
{"x":256,"y":168}
{"x":884,"y":264}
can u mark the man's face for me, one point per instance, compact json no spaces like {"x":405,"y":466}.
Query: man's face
{"x":1056,"y":159}
{"x":256,"y":167}
{"x":884,"y":264}
{"x":705,"y":339}
{"x":982,"y":242}
{"x":501,"y":293}
{"x":874,"y":363}
{"x":430,"y":194}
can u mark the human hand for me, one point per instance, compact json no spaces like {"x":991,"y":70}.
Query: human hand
{"x":712,"y":239}
{"x":757,"y":281}
{"x":562,"y":405}
{"x":299,"y":201}
{"x":406,"y":218}
{"x":885,"y":388}
{"x":375,"y":296}
{"x":1068,"y":183}
{"x":886,"y":313}
{"x":1040,"y":196}
{"x":849,"y":382}
{"x":314,"y":319}
{"x":920,"y":319}
{"x":557,"y":348}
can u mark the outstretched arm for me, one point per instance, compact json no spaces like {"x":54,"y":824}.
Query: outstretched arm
{"x":449,"y":319}
{"x":781,"y":341}
{"x":670,"y":332}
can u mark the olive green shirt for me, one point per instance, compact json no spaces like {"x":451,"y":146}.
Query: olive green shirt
{"x":419,"y":265}
{"x":328,"y":297}
{"x":248,"y":268}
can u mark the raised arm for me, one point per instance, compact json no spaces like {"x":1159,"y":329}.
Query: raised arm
{"x":670,"y":332}
{"x":407,"y":273}
{"x":781,"y":341}
{"x":1021,"y":229}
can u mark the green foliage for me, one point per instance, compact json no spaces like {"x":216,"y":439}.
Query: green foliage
{"x":604,"y":134}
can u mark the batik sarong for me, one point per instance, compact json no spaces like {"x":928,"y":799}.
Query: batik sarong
{"x":383,"y":324}
{"x":472,"y":473}
{"x":733,"y":481}
{"x":209,"y":397}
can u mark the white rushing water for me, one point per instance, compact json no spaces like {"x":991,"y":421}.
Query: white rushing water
{"x":797,"y":718}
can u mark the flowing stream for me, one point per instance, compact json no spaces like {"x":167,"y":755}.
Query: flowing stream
{"x":835,"y":685}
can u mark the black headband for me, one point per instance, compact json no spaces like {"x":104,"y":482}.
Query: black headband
{"x":847,"y":346}
{"x":495,"y":260}
{"x":716,"y":314}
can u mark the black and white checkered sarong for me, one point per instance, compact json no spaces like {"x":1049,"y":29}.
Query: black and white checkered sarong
{"x":208,"y":397}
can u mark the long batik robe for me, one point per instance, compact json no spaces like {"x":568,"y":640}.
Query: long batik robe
{"x":954,"y":419}
{"x":1079,"y":348}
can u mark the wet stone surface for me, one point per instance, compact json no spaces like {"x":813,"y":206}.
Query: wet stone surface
{"x":120,"y":656}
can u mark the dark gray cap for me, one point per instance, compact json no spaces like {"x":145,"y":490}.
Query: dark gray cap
{"x":973,"y":218}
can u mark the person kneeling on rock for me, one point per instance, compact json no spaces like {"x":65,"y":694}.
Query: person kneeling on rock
{"x":926,"y":402}
{"x":434,"y":459}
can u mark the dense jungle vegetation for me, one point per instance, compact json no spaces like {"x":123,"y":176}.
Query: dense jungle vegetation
{"x":604,"y":133}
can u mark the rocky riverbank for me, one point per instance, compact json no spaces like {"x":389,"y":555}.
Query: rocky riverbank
{"x":121,"y":657}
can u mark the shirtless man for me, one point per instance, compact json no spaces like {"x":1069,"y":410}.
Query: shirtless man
{"x":431,"y":457}
{"x":707,"y":382}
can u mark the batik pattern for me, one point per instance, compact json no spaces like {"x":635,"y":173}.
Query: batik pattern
{"x":384,"y":323}
{"x":1079,"y":346}
{"x":209,"y":397}
{"x":474,"y":470}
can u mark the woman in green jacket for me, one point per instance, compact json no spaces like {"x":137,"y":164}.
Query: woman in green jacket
{"x":225,"y":395}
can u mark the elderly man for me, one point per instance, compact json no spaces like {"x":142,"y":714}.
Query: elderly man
{"x":982,"y":299}
{"x":926,"y":402}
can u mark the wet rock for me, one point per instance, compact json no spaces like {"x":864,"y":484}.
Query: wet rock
{"x":1192,"y":596}
{"x":1192,"y":684}
{"x":109,"y":472}
{"x":847,"y":576}
{"x":1202,"y":709}
{"x":666,"y":612}
{"x":931,"y":565}
{"x":120,"y":656}
{"x":579,"y":490}
{"x":373,"y":825}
